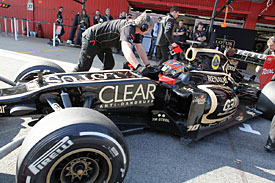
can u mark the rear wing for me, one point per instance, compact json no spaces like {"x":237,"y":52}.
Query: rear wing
{"x":246,"y":56}
{"x":267,"y":62}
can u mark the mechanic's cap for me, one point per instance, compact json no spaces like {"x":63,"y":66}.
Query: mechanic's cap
{"x":144,"y":19}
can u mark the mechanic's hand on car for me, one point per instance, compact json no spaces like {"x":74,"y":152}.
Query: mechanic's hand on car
{"x":143,"y":70}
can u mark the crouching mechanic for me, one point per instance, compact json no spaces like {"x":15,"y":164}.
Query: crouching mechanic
{"x":99,"y":39}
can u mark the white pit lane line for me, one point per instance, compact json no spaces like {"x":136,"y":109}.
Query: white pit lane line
{"x":68,"y":67}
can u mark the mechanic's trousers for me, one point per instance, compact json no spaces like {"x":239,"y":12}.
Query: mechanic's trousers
{"x":89,"y":49}
{"x":272,"y":130}
{"x":164,"y":51}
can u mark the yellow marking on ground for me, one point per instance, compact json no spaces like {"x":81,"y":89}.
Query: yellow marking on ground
{"x":26,"y":52}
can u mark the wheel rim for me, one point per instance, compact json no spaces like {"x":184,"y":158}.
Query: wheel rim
{"x":33,"y":75}
{"x":85,"y":165}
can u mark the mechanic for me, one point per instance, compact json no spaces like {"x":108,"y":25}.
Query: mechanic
{"x":165,"y":33}
{"x":200,"y":34}
{"x":269,"y":51}
{"x":270,"y":144}
{"x":180,"y":38}
{"x":99,"y":39}
{"x":59,"y":21}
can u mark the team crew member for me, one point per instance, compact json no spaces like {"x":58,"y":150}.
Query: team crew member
{"x":180,"y":37}
{"x":200,"y":34}
{"x":270,"y":144}
{"x":99,"y":39}
{"x":165,"y":33}
{"x":59,"y":20}
{"x":269,"y":51}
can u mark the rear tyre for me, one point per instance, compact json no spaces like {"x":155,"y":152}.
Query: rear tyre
{"x":30,"y":71}
{"x":266,"y":101}
{"x":74,"y":145}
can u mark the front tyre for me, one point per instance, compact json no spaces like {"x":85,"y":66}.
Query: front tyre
{"x":30,"y":71}
{"x":74,"y":145}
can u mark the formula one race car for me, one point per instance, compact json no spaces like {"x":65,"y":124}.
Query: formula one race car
{"x":77,"y":135}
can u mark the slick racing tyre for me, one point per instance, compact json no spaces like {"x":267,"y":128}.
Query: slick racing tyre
{"x":266,"y":101}
{"x":74,"y":145}
{"x":30,"y":71}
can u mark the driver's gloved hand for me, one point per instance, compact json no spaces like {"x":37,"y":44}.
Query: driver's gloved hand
{"x":143,"y":70}
{"x":150,"y":68}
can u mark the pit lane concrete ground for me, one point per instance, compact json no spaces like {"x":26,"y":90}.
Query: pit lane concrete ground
{"x":230,"y":156}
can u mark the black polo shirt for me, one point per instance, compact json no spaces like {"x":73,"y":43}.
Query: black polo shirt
{"x":181,"y":38}
{"x":109,"y":34}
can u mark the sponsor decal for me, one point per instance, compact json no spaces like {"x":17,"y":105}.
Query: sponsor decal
{"x":161,"y":118}
{"x":239,"y":118}
{"x":267,"y":71}
{"x":32,"y":86}
{"x":114,"y":152}
{"x":231,"y":104}
{"x":188,"y":89}
{"x":251,"y":54}
{"x":80,"y":77}
{"x":251,"y":113}
{"x":217,"y":79}
{"x":126,"y":95}
{"x":122,"y":170}
{"x":193,"y":128}
{"x":199,"y":100}
{"x":229,"y":67}
{"x":216,"y":62}
{"x":2,"y":108}
{"x":224,"y":44}
{"x":92,"y":42}
{"x":50,"y":155}
{"x":56,"y":107}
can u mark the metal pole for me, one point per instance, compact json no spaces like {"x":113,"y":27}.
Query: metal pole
{"x":4,"y":151}
{"x":15,"y":29}
{"x":53,"y":34}
{"x":83,"y":4}
{"x":11,"y":26}
{"x":6,"y":28}
{"x":5,"y":80}
{"x":0,"y":29}
{"x":17,"y":26}
{"x":28,"y":31}
{"x":212,"y":19}
{"x":22,"y":23}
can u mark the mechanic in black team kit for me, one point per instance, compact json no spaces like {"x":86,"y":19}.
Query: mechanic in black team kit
{"x":99,"y":39}
{"x":165,"y":33}
{"x":270,"y":144}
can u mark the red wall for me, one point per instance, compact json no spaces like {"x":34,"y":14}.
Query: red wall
{"x":242,"y":10}
{"x":47,"y":11}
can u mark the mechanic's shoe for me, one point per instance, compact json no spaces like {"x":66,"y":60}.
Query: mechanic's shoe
{"x":269,"y":146}
{"x":252,"y":78}
{"x":69,"y":42}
